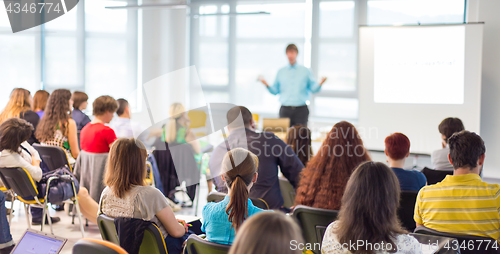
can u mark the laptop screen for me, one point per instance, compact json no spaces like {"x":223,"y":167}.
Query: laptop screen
{"x":33,"y":243}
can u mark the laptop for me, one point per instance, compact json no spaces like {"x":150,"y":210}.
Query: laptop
{"x":37,"y":242}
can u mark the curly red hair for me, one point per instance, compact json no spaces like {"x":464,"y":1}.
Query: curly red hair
{"x":323,"y":181}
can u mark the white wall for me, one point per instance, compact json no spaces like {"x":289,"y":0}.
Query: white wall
{"x":487,"y":11}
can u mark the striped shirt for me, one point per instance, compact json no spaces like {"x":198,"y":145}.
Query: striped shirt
{"x":460,"y":204}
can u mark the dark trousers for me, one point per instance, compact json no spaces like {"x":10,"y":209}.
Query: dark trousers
{"x":297,"y":115}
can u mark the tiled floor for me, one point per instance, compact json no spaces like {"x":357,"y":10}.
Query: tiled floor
{"x":72,"y":232}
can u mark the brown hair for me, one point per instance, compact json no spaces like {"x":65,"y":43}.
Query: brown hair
{"x":126,"y":166}
{"x":104,"y":104}
{"x":299,"y":139}
{"x":324,"y":179}
{"x":268,"y":233}
{"x":40,"y":99}
{"x":465,"y":149}
{"x":56,"y":114}
{"x":449,"y":126}
{"x":234,"y":113}
{"x":79,"y":98}
{"x":238,"y":167}
{"x":13,"y":132}
{"x":122,"y":105}
{"x":369,"y":208}
{"x":292,"y":47}
{"x":19,"y":102}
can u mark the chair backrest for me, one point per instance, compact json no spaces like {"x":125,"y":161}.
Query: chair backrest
{"x":276,"y":124}
{"x":94,"y":246}
{"x":215,"y":196}
{"x":435,"y":176}
{"x":196,"y":245}
{"x":198,"y":118}
{"x":471,"y":243}
{"x":313,"y":222}
{"x":153,"y":241}
{"x":107,"y":228}
{"x":288,"y":192}
{"x":438,"y":244}
{"x":53,"y":156}
{"x":407,"y":208}
{"x":20,"y":181}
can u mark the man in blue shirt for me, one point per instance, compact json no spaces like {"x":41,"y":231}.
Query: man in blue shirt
{"x":294,"y":83}
{"x":397,"y":149}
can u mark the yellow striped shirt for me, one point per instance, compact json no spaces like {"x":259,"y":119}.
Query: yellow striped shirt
{"x":460,"y":204}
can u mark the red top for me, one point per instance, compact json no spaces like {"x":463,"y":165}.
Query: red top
{"x":96,"y":138}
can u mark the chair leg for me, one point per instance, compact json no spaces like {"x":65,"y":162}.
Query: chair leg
{"x":27,"y":210}
{"x":79,"y":216}
{"x":11,"y":207}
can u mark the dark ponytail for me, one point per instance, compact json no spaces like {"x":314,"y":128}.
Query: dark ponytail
{"x":239,"y":167}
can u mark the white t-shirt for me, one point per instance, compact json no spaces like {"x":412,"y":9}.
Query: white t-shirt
{"x":439,"y":159}
{"x":10,"y":159}
{"x":406,"y":244}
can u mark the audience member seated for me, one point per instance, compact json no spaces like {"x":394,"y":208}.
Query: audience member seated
{"x":221,"y":220}
{"x":20,"y":105}
{"x":397,"y":149}
{"x":462,"y":203}
{"x":324,"y":179}
{"x":97,"y":137}
{"x":6,"y":242}
{"x":127,"y":196}
{"x":123,"y":126}
{"x":79,"y":104}
{"x":299,"y":139}
{"x":268,"y":233}
{"x":271,"y":151}
{"x":177,"y":129}
{"x":39,"y":101}
{"x":17,"y":152}
{"x":439,"y":158}
{"x":369,"y":213}
{"x":57,"y":128}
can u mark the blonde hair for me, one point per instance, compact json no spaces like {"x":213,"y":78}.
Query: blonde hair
{"x":268,"y":233}
{"x":18,"y":102}
{"x":176,"y":110}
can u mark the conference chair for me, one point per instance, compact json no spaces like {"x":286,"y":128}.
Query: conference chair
{"x":278,"y":126}
{"x":407,"y":208}
{"x":150,"y":180}
{"x":466,"y":244}
{"x":197,"y":245}
{"x":153,"y":241}
{"x":435,"y":176}
{"x":216,"y":197}
{"x":24,"y":187}
{"x":288,"y":192}
{"x":437,"y":244}
{"x":53,"y":156}
{"x":94,"y":246}
{"x":198,"y":120}
{"x":313,"y":222}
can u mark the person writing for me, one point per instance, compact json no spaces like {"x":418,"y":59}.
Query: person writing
{"x":294,"y":83}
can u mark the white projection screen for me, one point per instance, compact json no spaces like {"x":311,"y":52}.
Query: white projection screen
{"x":412,"y":77}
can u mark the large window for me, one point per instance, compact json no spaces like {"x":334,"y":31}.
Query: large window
{"x":232,"y":51}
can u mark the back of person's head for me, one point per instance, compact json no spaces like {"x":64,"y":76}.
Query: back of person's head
{"x":104,"y":104}
{"x":268,"y":233}
{"x":449,"y":126}
{"x":235,"y":114}
{"x":239,"y":168}
{"x":466,"y":148}
{"x":299,"y":139}
{"x":397,"y":146}
{"x":369,"y":207}
{"x":19,"y":101}
{"x":40,"y":100}
{"x":126,"y":165}
{"x":57,"y":113}
{"x":79,"y":98}
{"x":13,"y":132}
{"x":175,"y":112}
{"x":122,"y":106}
{"x":292,"y":47}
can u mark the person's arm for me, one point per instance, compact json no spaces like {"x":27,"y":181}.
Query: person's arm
{"x":32,"y":167}
{"x":110,"y":136}
{"x":314,"y":86}
{"x":73,"y":138}
{"x":171,"y":224}
{"x":418,"y":215}
{"x":275,"y":88}
{"x":290,"y":164}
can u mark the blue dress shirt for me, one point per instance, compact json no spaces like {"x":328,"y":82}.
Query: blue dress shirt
{"x":410,"y":180}
{"x":294,"y":83}
{"x":216,"y":222}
